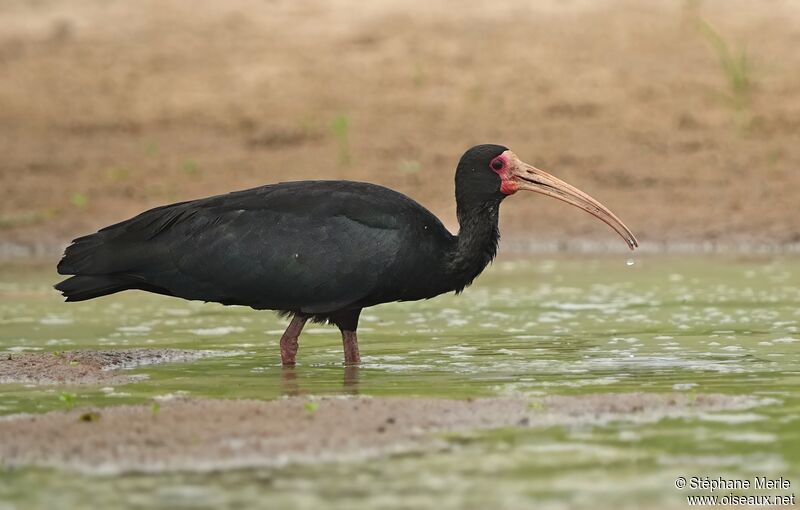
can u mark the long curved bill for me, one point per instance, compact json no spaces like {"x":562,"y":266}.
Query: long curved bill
{"x":530,"y":178}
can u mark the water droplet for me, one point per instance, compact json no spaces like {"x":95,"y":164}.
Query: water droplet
{"x":630,"y":262}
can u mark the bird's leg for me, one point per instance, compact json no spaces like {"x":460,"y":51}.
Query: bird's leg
{"x":347,"y":321}
{"x":289,"y":339}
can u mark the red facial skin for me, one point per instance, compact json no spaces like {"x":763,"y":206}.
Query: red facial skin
{"x":507,"y":185}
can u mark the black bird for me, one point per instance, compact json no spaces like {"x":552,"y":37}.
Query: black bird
{"x":319,"y":250}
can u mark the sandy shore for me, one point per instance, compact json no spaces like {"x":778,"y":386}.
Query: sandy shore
{"x":206,"y":435}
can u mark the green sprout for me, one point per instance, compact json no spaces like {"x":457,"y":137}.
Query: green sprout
{"x":68,"y":399}
{"x":25,"y":218}
{"x":118,"y":174}
{"x":152,"y":148}
{"x":190,"y":167}
{"x":409,"y":167}
{"x":311,"y":407}
{"x":536,"y":405}
{"x":341,"y":130}
{"x":419,"y":77}
{"x":734,"y":64}
{"x":79,"y":200}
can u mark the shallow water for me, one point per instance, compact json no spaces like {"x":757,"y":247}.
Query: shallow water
{"x":527,"y":327}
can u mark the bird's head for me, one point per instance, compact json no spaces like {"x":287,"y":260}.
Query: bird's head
{"x":489,"y":173}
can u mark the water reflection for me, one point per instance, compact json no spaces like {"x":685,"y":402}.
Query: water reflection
{"x":291,"y":386}
{"x":350,"y":382}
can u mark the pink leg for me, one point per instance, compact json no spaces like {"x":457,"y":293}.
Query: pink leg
{"x":289,"y":339}
{"x":350,"y":344}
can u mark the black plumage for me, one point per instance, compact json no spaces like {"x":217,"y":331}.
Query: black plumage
{"x":319,"y":250}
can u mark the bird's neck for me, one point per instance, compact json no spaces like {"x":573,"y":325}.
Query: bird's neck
{"x":476,"y":243}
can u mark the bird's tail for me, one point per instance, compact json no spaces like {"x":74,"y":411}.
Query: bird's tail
{"x":87,"y":259}
{"x":83,"y":287}
{"x":85,"y":254}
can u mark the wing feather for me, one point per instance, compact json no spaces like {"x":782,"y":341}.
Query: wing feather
{"x":315,"y":246}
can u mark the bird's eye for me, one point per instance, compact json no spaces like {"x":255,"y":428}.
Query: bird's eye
{"x":497,"y":164}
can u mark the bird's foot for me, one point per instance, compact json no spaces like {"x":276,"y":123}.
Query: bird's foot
{"x":289,"y":344}
{"x":350,"y":344}
{"x":289,"y":348}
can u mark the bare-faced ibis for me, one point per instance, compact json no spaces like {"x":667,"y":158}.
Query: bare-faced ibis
{"x":319,"y":250}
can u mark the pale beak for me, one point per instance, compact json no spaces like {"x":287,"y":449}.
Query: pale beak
{"x":529,"y":178}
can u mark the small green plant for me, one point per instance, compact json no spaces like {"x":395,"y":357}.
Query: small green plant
{"x":156,"y":408}
{"x":341,"y":130}
{"x":774,"y":156}
{"x":536,"y":405}
{"x":68,"y":399}
{"x":311,"y":407}
{"x":79,"y":200}
{"x":734,"y":64}
{"x":190,"y":167}
{"x":118,"y":174}
{"x":25,"y":218}
{"x":152,"y":148}
{"x":419,"y":77}
{"x":409,"y":167}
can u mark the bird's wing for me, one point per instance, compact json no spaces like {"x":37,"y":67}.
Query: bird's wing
{"x":312,"y":247}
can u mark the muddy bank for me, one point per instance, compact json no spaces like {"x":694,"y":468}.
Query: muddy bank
{"x":89,"y":367}
{"x":206,"y":435}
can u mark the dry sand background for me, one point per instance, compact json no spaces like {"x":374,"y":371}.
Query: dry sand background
{"x":108,"y":107}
